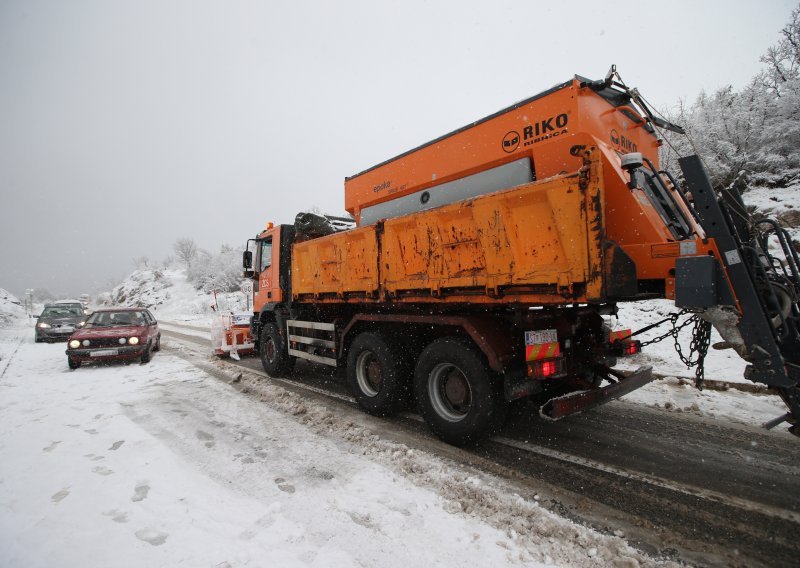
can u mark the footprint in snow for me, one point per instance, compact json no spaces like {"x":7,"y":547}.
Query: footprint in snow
{"x":51,"y":447}
{"x":205,"y":436}
{"x":57,"y":497}
{"x":140,"y":492}
{"x":284,"y":486}
{"x":117,"y":516}
{"x":156,"y":538}
{"x":263,"y":522}
{"x":102,"y":470}
{"x":116,"y":445}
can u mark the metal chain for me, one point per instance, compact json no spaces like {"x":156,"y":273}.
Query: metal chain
{"x":701,"y":339}
{"x":673,"y":319}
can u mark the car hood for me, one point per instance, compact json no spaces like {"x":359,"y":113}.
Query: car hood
{"x":126,"y":331}
{"x":75,"y":320}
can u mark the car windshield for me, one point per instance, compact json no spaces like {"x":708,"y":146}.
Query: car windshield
{"x":115,"y":319}
{"x":61,"y":312}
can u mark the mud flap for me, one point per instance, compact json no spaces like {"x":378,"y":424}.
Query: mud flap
{"x":572,"y":403}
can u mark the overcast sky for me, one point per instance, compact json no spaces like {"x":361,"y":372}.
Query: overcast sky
{"x":127,"y":125}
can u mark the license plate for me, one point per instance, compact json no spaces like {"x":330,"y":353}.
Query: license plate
{"x":541,"y":337}
{"x":104,"y":352}
{"x":65,"y":329}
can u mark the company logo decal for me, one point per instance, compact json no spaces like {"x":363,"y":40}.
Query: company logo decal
{"x":511,"y":141}
{"x":537,"y":132}
{"x":623,"y":144}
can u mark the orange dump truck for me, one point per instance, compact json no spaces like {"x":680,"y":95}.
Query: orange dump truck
{"x":477,"y":268}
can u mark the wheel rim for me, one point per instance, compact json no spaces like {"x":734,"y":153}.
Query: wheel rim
{"x":270,"y":350}
{"x":449,"y":392}
{"x":369,"y":373}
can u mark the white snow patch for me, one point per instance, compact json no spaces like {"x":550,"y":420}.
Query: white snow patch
{"x":161,"y":465}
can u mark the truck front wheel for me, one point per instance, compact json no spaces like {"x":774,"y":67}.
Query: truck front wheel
{"x":378,"y":377}
{"x":274,"y":357}
{"x":459,"y":396}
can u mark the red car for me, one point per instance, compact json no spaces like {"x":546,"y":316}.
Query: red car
{"x":114,"y":334}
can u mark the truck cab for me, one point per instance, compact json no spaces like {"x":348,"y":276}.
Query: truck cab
{"x":266,"y":262}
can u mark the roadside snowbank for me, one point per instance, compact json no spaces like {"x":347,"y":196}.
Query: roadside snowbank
{"x":10,"y":308}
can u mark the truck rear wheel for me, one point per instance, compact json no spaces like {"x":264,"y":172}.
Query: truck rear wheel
{"x":377,"y":376}
{"x":460,"y":398}
{"x":272,"y":347}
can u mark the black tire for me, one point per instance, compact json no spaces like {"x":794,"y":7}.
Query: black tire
{"x":460,"y":398}
{"x":37,"y":339}
{"x":157,"y":346}
{"x":73,"y":364}
{"x":379,"y":377}
{"x":146,"y":354}
{"x":272,"y":348}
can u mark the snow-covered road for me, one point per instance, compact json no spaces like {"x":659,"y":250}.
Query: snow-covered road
{"x":163,"y":465}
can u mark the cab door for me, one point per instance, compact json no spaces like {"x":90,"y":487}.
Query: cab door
{"x":267,"y":270}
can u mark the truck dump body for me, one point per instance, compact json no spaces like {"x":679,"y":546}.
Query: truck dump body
{"x":444,"y":229}
{"x":540,"y":243}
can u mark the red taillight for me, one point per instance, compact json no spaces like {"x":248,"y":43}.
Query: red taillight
{"x":545,"y":368}
{"x":625,"y":348}
{"x":632,"y":348}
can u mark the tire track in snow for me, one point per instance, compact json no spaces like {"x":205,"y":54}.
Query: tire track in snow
{"x":8,"y":362}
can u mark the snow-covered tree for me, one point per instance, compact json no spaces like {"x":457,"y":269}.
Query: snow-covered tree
{"x":186,"y":251}
{"x":751,"y":136}
{"x":221,"y":272}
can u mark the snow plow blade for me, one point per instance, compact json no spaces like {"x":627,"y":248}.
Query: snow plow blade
{"x":559,"y":407}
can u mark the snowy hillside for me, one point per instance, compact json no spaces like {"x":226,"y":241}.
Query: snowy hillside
{"x":171,"y":297}
{"x":10,"y":308}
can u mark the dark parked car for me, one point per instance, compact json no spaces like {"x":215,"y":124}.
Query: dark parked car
{"x":58,"y":321}
{"x":76,"y":303}
{"x":114,"y":334}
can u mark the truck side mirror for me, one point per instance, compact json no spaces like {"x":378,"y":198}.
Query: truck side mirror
{"x":247,"y":259}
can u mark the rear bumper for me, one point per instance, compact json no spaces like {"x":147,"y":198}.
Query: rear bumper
{"x":559,"y":407}
{"x":95,"y":354}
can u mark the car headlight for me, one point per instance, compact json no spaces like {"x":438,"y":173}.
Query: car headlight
{"x":85,"y":343}
{"x":74,"y":344}
{"x":81,"y":323}
{"x":134,"y":341}
{"x":122,"y":341}
{"x":43,"y":325}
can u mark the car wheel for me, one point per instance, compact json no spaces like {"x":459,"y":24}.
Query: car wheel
{"x":157,"y":346}
{"x":73,"y":364}
{"x":274,"y":357}
{"x":378,"y":376}
{"x":146,"y":354}
{"x":461,"y":399}
{"x":37,"y":339}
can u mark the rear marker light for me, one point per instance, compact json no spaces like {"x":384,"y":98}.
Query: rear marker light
{"x":548,"y":368}
{"x":632,"y":348}
{"x":545,"y":368}
{"x":626,"y":348}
